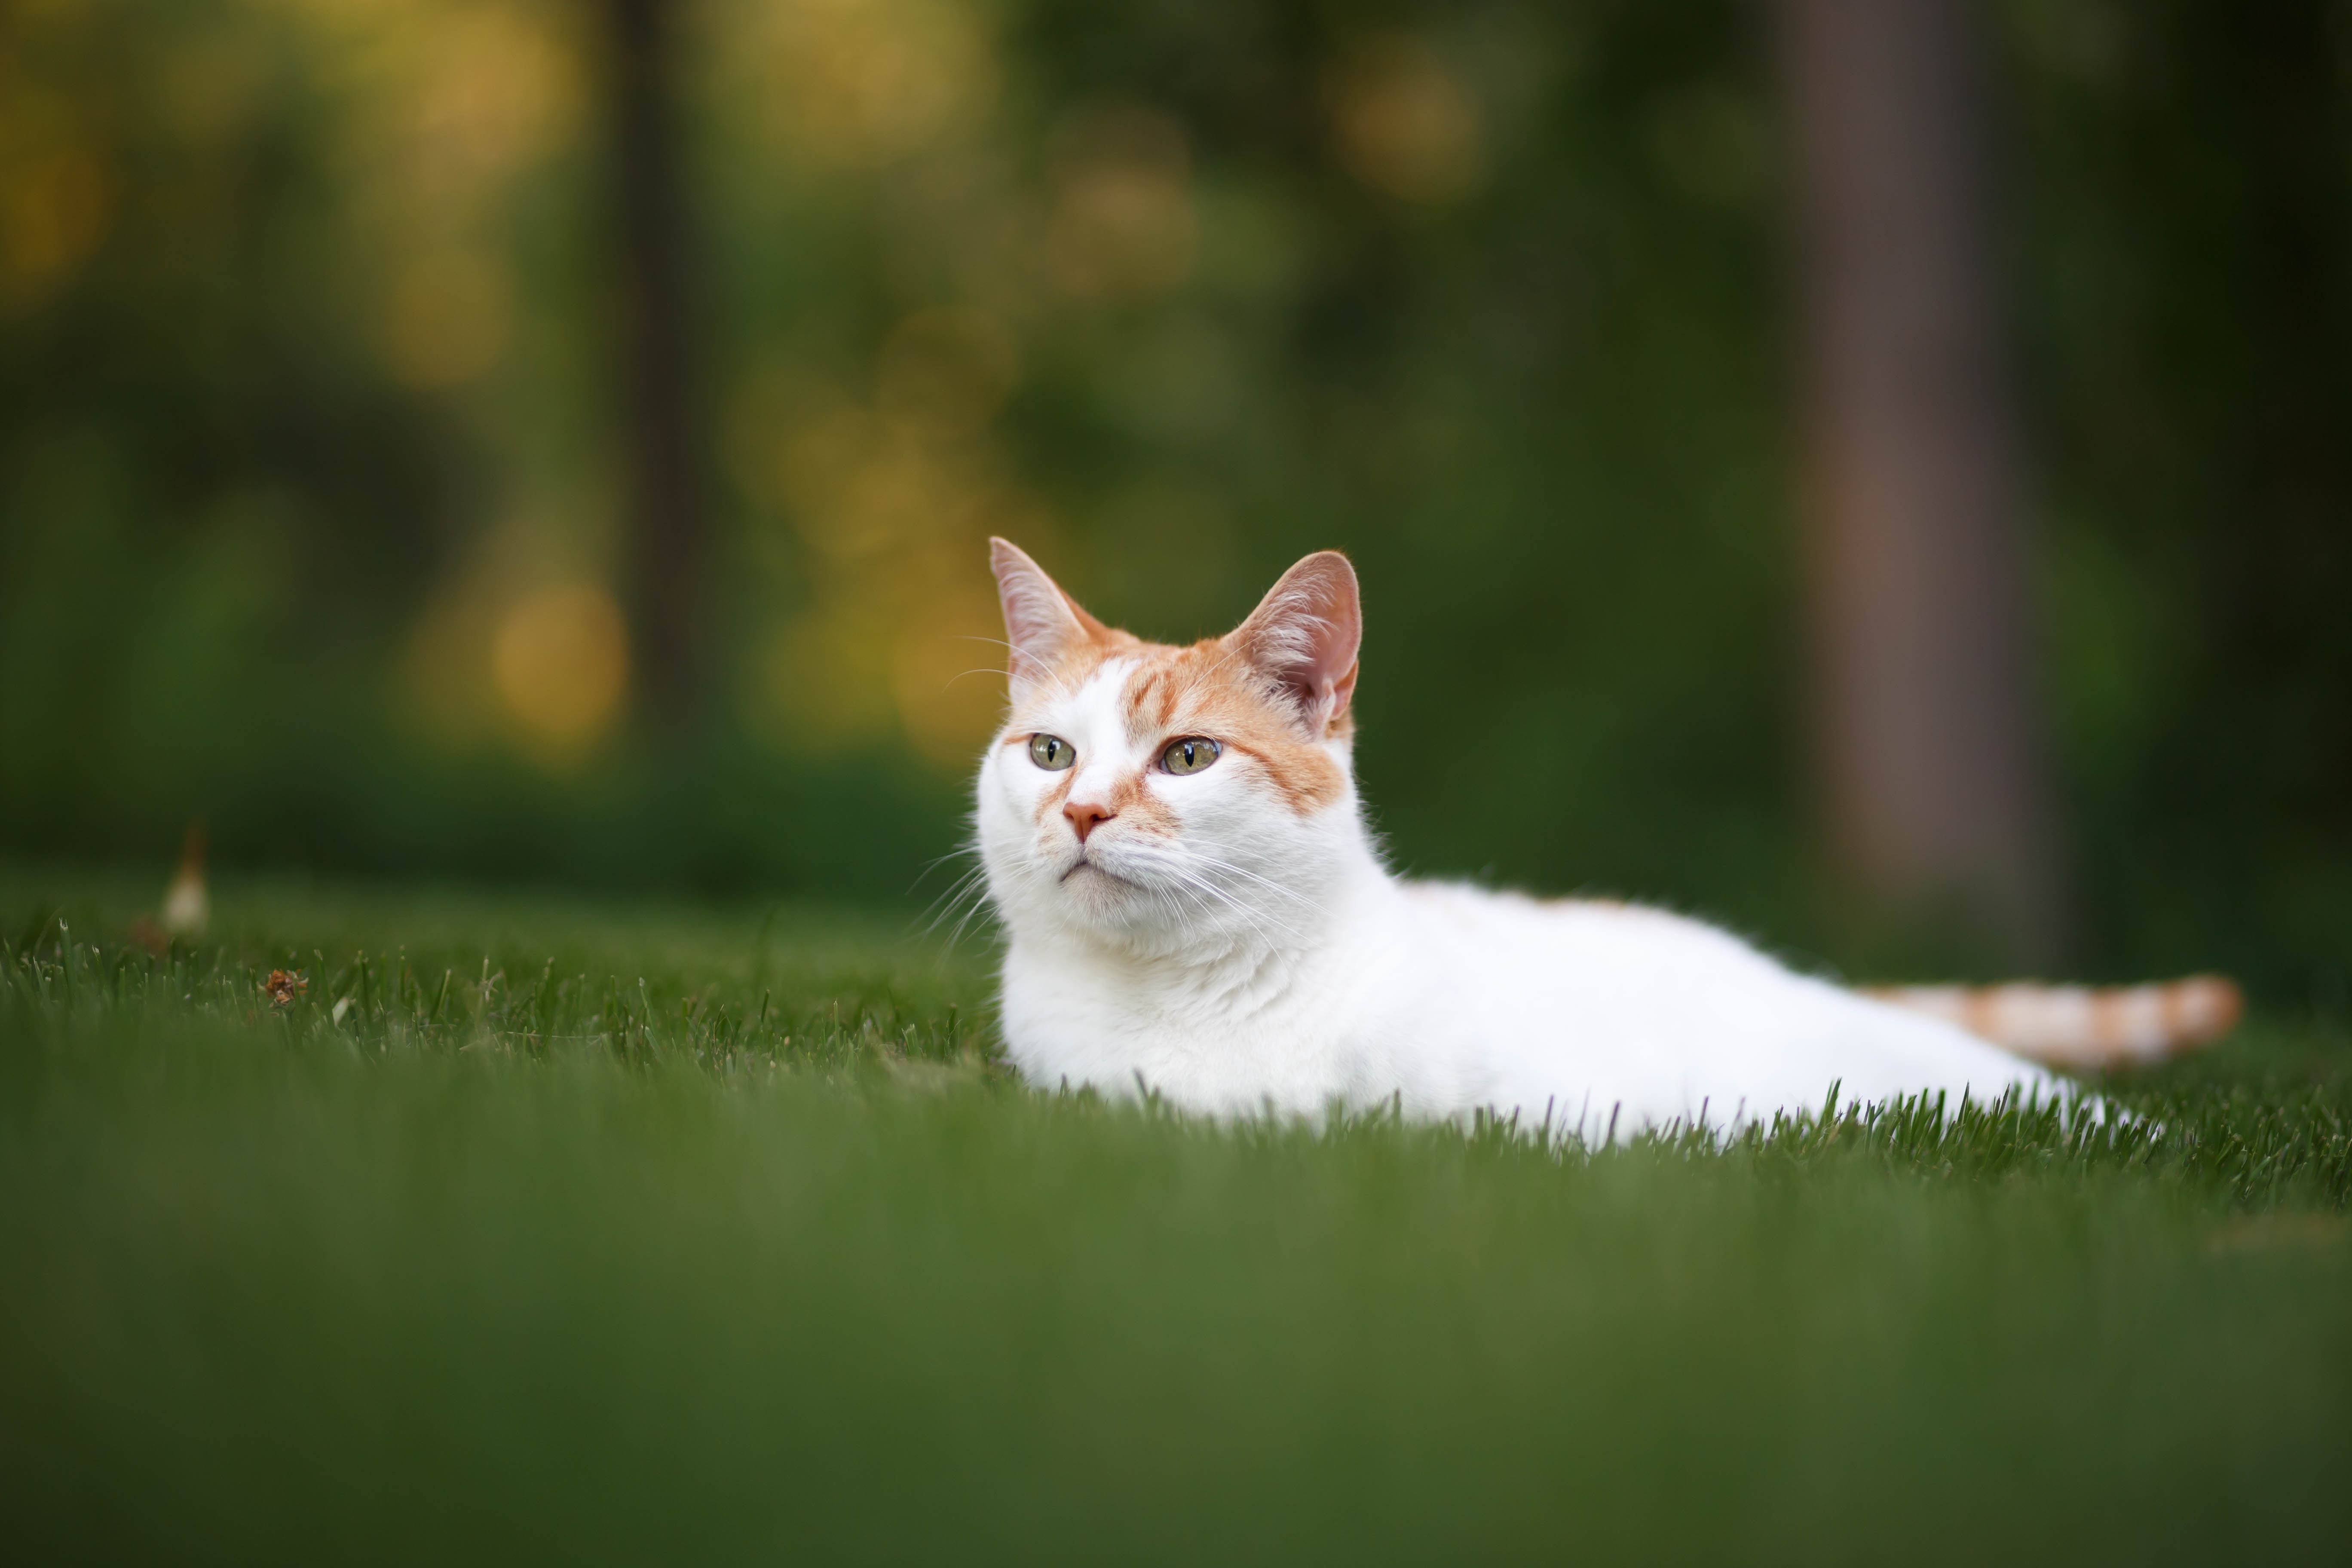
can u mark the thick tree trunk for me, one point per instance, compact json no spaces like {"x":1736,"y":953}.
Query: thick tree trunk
{"x":668,"y":548}
{"x":1921,"y":615}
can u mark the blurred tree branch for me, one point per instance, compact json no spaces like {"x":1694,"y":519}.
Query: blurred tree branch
{"x":1930,"y":741}
{"x":667,"y":549}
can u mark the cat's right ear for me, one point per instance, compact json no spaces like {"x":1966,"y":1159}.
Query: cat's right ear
{"x":1304,"y":636}
{"x":1042,"y":624}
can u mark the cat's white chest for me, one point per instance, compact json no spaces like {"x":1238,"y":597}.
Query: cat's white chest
{"x":1258,"y":1033}
{"x":1370,"y":1013}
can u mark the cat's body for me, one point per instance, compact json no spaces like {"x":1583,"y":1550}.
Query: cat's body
{"x":1452,"y":999}
{"x":1194,"y":908}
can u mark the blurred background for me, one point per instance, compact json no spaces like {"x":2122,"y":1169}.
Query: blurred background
{"x":1871,"y":470}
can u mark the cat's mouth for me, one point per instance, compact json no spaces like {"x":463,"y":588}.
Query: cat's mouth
{"x":1084,"y":864}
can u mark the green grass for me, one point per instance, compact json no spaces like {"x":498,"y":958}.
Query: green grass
{"x":632,"y":1233}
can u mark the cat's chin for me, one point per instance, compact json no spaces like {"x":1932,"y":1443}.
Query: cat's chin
{"x":1096,"y":885}
{"x":1100,"y":899}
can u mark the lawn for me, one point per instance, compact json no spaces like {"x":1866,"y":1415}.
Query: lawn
{"x":537,"y":1228}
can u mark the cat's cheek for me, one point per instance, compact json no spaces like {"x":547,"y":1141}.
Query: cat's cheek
{"x":1007,"y":788}
{"x":1007,"y":808}
{"x":1215,"y":804}
{"x":1183,"y":805}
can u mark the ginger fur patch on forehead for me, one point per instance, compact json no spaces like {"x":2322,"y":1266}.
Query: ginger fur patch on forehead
{"x":1208,"y":689}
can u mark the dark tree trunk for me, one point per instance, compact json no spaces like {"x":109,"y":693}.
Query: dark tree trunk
{"x":1921,"y":617}
{"x":667,"y":545}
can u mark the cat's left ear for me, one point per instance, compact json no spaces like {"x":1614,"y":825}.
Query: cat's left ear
{"x":1304,"y":636}
{"x":1042,"y":623}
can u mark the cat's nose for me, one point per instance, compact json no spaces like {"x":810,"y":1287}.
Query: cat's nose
{"x":1087,"y":818}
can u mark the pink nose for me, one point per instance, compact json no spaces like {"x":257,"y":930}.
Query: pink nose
{"x":1087,"y":818}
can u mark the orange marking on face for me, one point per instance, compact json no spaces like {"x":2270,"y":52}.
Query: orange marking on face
{"x":1206,"y":689}
{"x":1132,"y":798}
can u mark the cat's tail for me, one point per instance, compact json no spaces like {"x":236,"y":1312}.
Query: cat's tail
{"x":2082,"y":1026}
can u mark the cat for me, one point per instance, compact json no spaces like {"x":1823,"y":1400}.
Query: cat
{"x":1194,"y":909}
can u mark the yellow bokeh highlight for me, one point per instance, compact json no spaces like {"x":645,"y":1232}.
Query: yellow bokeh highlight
{"x":1123,"y":225}
{"x":469,"y":96}
{"x":560,"y":662}
{"x":900,"y":652}
{"x":448,"y":318}
{"x":947,"y":675}
{"x":1406,"y":124}
{"x":892,"y":502}
{"x":847,"y":83}
{"x":53,"y":211}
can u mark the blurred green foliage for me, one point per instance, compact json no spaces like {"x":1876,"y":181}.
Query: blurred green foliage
{"x":308,"y":472}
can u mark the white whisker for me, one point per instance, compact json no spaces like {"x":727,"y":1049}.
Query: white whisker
{"x":1267,"y":882}
{"x":1170,"y":866}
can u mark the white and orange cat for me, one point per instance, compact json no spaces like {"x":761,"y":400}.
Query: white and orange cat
{"x":1194,"y":908}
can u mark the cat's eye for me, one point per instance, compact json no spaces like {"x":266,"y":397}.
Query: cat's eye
{"x":1188,"y":755}
{"x":1051,"y":752}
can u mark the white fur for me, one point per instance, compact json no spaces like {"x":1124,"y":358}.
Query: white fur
{"x":1265,"y":961}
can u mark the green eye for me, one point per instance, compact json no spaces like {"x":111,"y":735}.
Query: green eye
{"x":1051,"y":752}
{"x":1188,"y":756}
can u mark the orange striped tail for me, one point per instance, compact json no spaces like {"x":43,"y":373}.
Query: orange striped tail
{"x":2081,"y":1026}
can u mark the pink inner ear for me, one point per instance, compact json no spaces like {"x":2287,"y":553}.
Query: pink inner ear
{"x":1041,"y":622}
{"x":1305,"y":635}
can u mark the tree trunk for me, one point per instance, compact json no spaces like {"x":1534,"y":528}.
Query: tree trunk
{"x":1922,"y":625}
{"x":667,"y":545}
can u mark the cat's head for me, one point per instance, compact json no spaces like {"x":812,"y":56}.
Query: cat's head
{"x":1172,"y":797}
